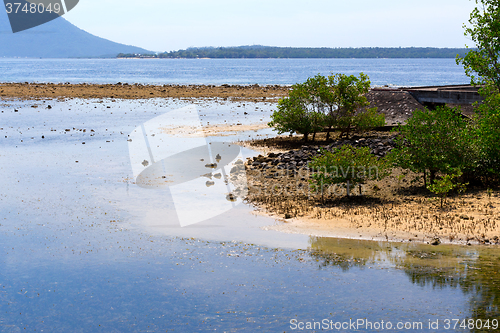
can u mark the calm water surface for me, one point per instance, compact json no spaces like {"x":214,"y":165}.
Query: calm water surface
{"x":83,"y":249}
{"x":399,"y":72}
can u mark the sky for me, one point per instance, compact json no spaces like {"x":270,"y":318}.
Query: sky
{"x":167,"y":25}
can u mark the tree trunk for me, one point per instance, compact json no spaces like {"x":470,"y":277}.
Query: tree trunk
{"x":330,"y":115}
{"x":328,"y":133}
{"x":432,"y":177}
{"x":306,"y":137}
{"x":314,"y":136}
{"x":348,"y":185}
{"x":348,"y":131}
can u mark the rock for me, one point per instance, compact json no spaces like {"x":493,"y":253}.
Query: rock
{"x":435,"y":241}
{"x":237,"y":168}
{"x":231,"y":197}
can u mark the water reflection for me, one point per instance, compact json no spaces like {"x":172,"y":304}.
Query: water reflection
{"x":473,"y":270}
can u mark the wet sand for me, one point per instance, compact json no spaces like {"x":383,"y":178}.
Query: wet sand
{"x":138,"y":91}
{"x":213,"y":130}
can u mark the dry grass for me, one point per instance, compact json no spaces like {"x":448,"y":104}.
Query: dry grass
{"x":396,"y":204}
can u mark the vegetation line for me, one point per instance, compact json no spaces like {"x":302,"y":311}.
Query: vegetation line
{"x":259,"y":51}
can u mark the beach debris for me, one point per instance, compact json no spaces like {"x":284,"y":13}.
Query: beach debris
{"x":231,"y":197}
{"x":435,"y":241}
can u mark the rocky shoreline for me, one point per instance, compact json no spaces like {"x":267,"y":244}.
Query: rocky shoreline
{"x":296,"y":159}
{"x":256,"y":93}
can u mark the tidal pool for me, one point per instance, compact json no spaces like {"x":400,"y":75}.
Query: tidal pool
{"x":84,"y":249}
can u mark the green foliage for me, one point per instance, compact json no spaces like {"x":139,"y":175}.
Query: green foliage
{"x":347,"y":165}
{"x":350,"y":100}
{"x":481,"y":64}
{"x":303,"y":110}
{"x":368,"y":119}
{"x":326,"y":102}
{"x":266,"y":52}
{"x":487,"y":128}
{"x":447,"y":183}
{"x":434,"y":141}
{"x":483,"y":67}
{"x":439,"y":141}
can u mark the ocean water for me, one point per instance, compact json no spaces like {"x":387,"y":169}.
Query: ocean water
{"x":397,"y":72}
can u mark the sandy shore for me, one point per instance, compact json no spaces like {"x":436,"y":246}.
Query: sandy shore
{"x":212,"y":130}
{"x":254,"y":93}
{"x":396,"y":208}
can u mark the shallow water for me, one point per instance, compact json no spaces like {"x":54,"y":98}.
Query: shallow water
{"x":83,"y":248}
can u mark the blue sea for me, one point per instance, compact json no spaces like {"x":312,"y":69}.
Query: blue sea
{"x":393,"y":72}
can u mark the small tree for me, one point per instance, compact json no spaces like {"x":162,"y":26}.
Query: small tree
{"x":326,"y":102}
{"x":447,"y":183}
{"x":351,"y":104}
{"x":301,"y":112}
{"x":487,"y":132}
{"x":434,"y":141}
{"x":347,"y":165}
{"x":482,"y":63}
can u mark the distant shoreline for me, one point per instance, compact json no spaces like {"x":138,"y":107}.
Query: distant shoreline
{"x":271,"y":52}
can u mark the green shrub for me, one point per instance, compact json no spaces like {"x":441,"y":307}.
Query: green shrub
{"x":347,"y":165}
{"x":368,"y":120}
{"x":351,"y":112}
{"x":336,"y":101}
{"x":291,"y":116}
{"x":435,"y":141}
{"x":487,"y":133}
{"x":447,"y":183}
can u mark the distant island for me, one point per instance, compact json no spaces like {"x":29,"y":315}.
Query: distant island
{"x":259,"y":51}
